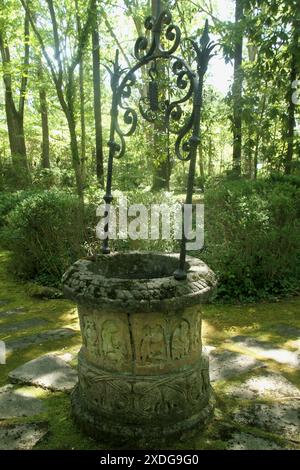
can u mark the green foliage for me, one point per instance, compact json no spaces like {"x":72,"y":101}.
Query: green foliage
{"x":45,"y":233}
{"x":8,"y":201}
{"x":137,"y":196}
{"x":47,"y":178}
{"x":252,"y":237}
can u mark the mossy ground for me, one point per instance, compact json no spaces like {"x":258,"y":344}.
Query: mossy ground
{"x":220,"y":323}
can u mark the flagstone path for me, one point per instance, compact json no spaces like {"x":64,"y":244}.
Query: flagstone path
{"x":254,"y":368}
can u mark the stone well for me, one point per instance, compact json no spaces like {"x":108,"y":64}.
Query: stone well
{"x":142,"y":372}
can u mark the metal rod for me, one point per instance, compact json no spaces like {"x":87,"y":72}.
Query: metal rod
{"x":156,"y":8}
{"x":180,"y":273}
{"x":113,"y":146}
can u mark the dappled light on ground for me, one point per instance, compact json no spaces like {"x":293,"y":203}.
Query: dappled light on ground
{"x":253,"y":351}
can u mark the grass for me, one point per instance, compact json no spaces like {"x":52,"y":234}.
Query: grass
{"x":220,"y":323}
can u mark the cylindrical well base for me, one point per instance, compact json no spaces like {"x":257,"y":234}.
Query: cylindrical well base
{"x":142,"y":372}
{"x":143,"y":410}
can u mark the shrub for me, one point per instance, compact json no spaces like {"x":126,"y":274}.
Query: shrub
{"x":138,"y":196}
{"x":48,"y":178}
{"x":252,"y":237}
{"x":46,"y":233}
{"x":9,"y":200}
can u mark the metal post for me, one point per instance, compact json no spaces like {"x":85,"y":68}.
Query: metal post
{"x":180,"y":274}
{"x":203,"y":56}
{"x":113,"y":148}
{"x":156,"y":8}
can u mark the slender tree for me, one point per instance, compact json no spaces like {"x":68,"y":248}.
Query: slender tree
{"x":15,"y":112}
{"x":237,"y":89}
{"x":161,"y":167}
{"x":290,"y":121}
{"x":63,"y":75}
{"x":82,"y":100}
{"x":97,"y":104}
{"x":44,"y":117}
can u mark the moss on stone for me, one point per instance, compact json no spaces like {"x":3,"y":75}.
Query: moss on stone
{"x":221,"y":322}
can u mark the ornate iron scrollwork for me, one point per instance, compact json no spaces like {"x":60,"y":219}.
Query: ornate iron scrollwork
{"x":143,"y":50}
{"x":185,"y":126}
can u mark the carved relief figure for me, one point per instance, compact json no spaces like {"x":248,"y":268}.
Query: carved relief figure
{"x":153,"y":344}
{"x":147,"y":399}
{"x":197,"y":333}
{"x":90,"y":335}
{"x":113,"y":342}
{"x":180,"y":344}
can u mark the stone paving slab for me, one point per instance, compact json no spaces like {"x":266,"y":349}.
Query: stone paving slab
{"x":245,"y":441}
{"x":13,"y":311}
{"x":226,"y":364}
{"x":30,"y":323}
{"x":67,"y":357}
{"x":268,"y":350}
{"x":39,"y":338}
{"x":282,"y":418}
{"x":266,"y":385}
{"x":21,"y":436}
{"x":47,"y":371}
{"x":18,"y":402}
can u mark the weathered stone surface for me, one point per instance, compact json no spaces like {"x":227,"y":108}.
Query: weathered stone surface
{"x":267,"y":350}
{"x":225,"y":364}
{"x":2,"y":352}
{"x":30,"y":323}
{"x":39,"y":338}
{"x":47,"y":371}
{"x":67,"y":357}
{"x":281,"y":417}
{"x":142,"y":374}
{"x":266,"y":385}
{"x":13,"y":311}
{"x":18,"y":402}
{"x":137,"y":282}
{"x":21,"y":436}
{"x":245,"y":441}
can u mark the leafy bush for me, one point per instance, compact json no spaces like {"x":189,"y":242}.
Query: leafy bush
{"x":138,"y":196}
{"x":9,"y":200}
{"x":46,"y":233}
{"x":252,"y":237}
{"x":47,"y":178}
{"x":252,"y":234}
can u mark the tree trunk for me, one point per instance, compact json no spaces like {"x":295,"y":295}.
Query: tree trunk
{"x":161,"y":171}
{"x":97,"y":106}
{"x":201,"y":162}
{"x":210,"y":157}
{"x":81,"y":100}
{"x":70,"y":115}
{"x":44,"y":119}
{"x":258,"y":134}
{"x":75,"y":155}
{"x":15,"y":126}
{"x":14,"y":115}
{"x":161,"y":167}
{"x":290,"y":122}
{"x":237,"y":91}
{"x":82,"y":120}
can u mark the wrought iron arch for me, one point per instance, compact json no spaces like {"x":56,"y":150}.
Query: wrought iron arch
{"x":147,"y":52}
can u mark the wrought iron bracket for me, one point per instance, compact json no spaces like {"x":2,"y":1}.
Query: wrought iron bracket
{"x":164,"y":44}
